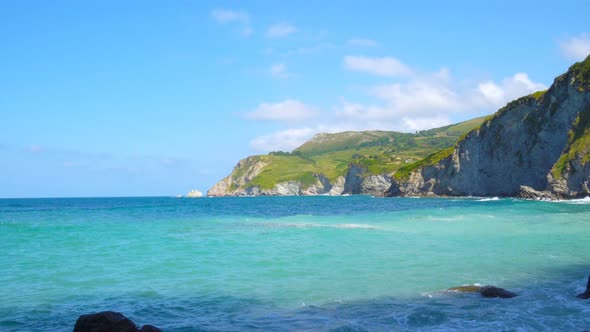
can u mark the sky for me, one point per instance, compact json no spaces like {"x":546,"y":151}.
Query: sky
{"x":141,"y":98}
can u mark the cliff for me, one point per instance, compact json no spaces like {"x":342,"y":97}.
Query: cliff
{"x":536,"y":146}
{"x":336,"y":164}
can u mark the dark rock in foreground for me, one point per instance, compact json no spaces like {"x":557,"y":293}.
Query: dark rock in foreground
{"x":491,"y":291}
{"x":485,"y":291}
{"x":109,"y":321}
{"x":586,"y":294}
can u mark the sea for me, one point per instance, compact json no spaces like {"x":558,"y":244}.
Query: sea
{"x":355,"y":263}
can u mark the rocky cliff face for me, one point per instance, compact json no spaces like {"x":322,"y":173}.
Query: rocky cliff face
{"x":537,"y":142}
{"x":243,"y":172}
{"x":355,"y":181}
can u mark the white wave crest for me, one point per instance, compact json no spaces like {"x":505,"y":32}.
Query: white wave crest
{"x":489,"y":199}
{"x":585,"y":200}
{"x":315,"y":225}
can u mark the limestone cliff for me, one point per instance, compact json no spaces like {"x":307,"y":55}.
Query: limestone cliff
{"x":538,"y":143}
{"x":243,"y":173}
{"x":356,"y":181}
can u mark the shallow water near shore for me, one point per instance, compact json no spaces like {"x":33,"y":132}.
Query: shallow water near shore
{"x":294,"y":263}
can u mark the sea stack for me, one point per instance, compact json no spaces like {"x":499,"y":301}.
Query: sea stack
{"x":194,"y":193}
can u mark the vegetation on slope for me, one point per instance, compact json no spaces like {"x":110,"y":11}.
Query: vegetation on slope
{"x":578,"y":145}
{"x":379,"y":152}
{"x":579,"y":137}
{"x":581,"y":71}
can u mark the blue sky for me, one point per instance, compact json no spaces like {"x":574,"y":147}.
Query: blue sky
{"x":116,"y":98}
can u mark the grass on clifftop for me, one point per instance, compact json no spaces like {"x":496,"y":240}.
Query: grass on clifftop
{"x":433,"y":159}
{"x":581,"y":71}
{"x":379,"y":152}
{"x":538,"y":95}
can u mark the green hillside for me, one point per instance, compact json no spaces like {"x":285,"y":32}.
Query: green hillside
{"x":380,"y":152}
{"x":578,"y":145}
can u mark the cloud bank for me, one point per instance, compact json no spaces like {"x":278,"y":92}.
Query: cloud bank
{"x":413,"y":100}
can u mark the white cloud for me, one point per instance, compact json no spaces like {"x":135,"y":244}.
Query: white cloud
{"x":284,"y":140}
{"x":420,"y":101}
{"x":435,"y":95}
{"x":576,"y":48}
{"x":362,"y":42}
{"x":279,"y":70}
{"x":288,"y":111}
{"x":518,"y":85}
{"x":492,"y":92}
{"x":421,"y":123}
{"x":419,"y":96}
{"x":230,"y":16}
{"x":242,"y":19}
{"x":356,"y":116}
{"x":280,"y":30}
{"x":384,"y":66}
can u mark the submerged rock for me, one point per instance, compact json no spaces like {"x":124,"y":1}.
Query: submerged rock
{"x":586,"y":294}
{"x":109,"y":321}
{"x":485,"y":291}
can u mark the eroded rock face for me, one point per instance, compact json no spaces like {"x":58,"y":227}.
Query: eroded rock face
{"x":516,"y":148}
{"x":575,"y":181}
{"x":106,"y":321}
{"x":244,"y":172}
{"x":375,"y":185}
{"x":337,"y":186}
{"x":356,"y":181}
{"x":530,"y":193}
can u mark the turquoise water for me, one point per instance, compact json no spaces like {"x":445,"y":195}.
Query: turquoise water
{"x":294,"y":263}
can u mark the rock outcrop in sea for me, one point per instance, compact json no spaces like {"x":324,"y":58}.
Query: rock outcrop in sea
{"x":586,"y":294}
{"x":109,"y":321}
{"x":194,"y":193}
{"x":485,"y":291}
{"x":535,"y":147}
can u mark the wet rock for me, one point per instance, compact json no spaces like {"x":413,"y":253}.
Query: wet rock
{"x":527,"y":192}
{"x":106,"y":321}
{"x":586,"y":294}
{"x":485,"y":291}
{"x":109,"y":321}
{"x":491,"y":291}
{"x":466,"y":289}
